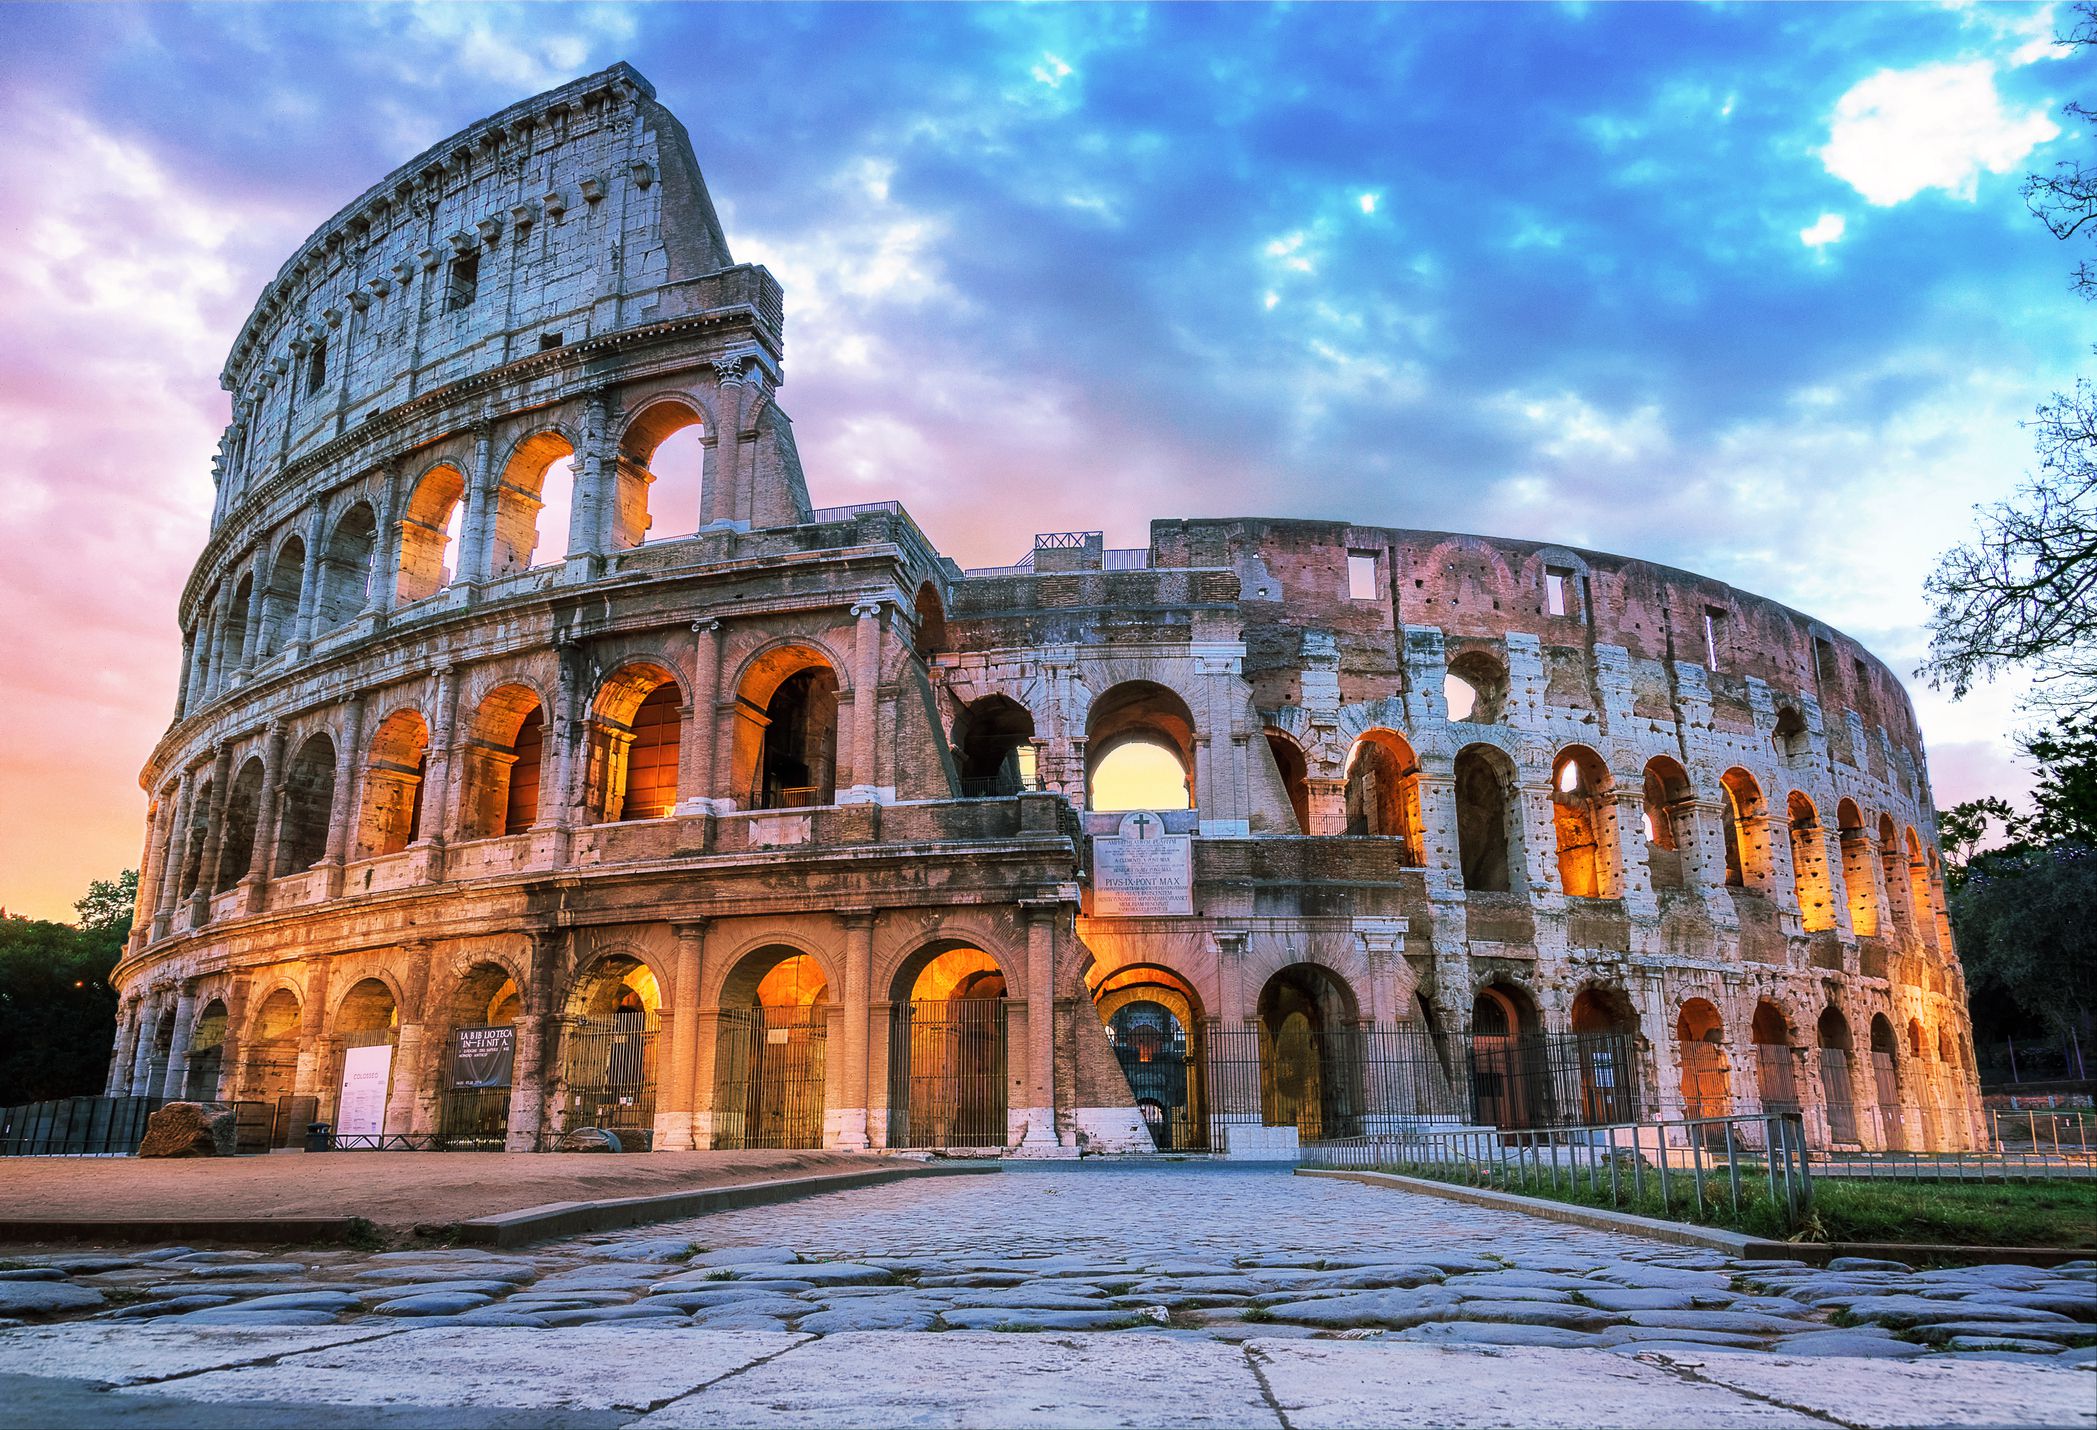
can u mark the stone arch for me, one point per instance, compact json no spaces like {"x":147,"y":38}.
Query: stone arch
{"x":429,"y":533}
{"x":609,"y":1031}
{"x":391,"y":819}
{"x":1776,"y":1077}
{"x":771,"y":1043}
{"x":538,"y":476}
{"x":1154,"y":1020}
{"x":1604,"y":1021}
{"x":784,"y":755}
{"x":635,"y":734}
{"x":207,"y":1052}
{"x":233,"y":628}
{"x":1293,"y":768}
{"x":993,"y":744}
{"x":243,"y":811}
{"x":270,"y":1053}
{"x":1810,"y":879}
{"x":1837,"y":1077}
{"x":1509,"y":1082}
{"x":1474,"y":687}
{"x":1485,"y":826}
{"x":1131,"y":730}
{"x":280,"y":597}
{"x":1669,"y":802}
{"x":948,"y":1070}
{"x":1310,"y":1062}
{"x":344,"y":587}
{"x":1583,"y":818}
{"x":1859,"y":877}
{"x":502,"y":761}
{"x":197,"y":833}
{"x":1921,"y":896}
{"x":1383,"y":792}
{"x":308,"y":805}
{"x":1788,"y":736}
{"x":1893,"y":876}
{"x":643,"y":503}
{"x":1700,"y":1036}
{"x":1886,"y":1081}
{"x":1748,"y":864}
{"x":477,"y":1065}
{"x":367,"y":1014}
{"x":928,"y":626}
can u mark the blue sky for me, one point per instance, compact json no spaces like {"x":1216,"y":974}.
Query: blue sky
{"x":1747,"y":289}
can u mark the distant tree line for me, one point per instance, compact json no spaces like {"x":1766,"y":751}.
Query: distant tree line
{"x":57,"y":1010}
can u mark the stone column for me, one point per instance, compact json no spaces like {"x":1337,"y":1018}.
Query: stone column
{"x":866,"y":690}
{"x":264,"y":860}
{"x":313,"y":1022}
{"x":142,"y":1049}
{"x":251,"y":638}
{"x":596,"y":466}
{"x":477,"y":531}
{"x":695,"y":775}
{"x":855,"y":1091}
{"x":233,"y":1049}
{"x":175,"y":1087}
{"x":404,"y":1090}
{"x":1634,"y":876}
{"x":1039,"y":1114}
{"x":532,"y":1073}
{"x":214,"y":832}
{"x":567,"y":734}
{"x":385,"y":560}
{"x":436,"y":821}
{"x":189,"y":673}
{"x":673,"y":1124}
{"x":724,"y":492}
{"x":301,"y":632}
{"x":343,"y":807}
{"x":118,"y":1083}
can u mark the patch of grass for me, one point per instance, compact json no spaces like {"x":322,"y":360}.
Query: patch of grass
{"x":724,"y":1274}
{"x":2050,"y":1213}
{"x":1116,"y":1288}
{"x":364,"y":1235}
{"x":1259,"y":1315}
{"x":687,"y":1254}
{"x":126,"y":1295}
{"x":1016,"y":1328}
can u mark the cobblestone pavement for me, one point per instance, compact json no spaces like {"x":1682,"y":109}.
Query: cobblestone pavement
{"x":1201,"y":1253}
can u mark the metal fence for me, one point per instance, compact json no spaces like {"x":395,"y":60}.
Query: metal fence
{"x":768,"y":1077}
{"x":608,"y":1072}
{"x":2069,"y":1133}
{"x":946,"y":1069}
{"x":111,"y":1126}
{"x":1752,"y":1171}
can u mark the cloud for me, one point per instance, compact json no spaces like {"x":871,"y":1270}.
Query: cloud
{"x":1940,"y":126}
{"x":1825,"y":230}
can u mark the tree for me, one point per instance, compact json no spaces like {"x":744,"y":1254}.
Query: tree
{"x":106,"y":908}
{"x":2023,"y":593}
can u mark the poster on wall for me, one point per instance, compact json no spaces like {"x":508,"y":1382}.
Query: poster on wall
{"x":482,"y":1057}
{"x":361,"y":1110}
{"x":1142,"y":871}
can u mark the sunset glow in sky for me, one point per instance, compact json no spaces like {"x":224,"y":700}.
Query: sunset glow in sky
{"x":1745,"y":289}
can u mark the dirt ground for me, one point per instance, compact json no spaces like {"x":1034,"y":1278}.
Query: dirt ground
{"x":390,"y":1189}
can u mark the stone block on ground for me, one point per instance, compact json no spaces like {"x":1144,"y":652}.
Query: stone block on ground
{"x":189,"y":1129}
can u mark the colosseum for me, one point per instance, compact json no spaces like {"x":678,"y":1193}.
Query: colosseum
{"x":546,"y":766}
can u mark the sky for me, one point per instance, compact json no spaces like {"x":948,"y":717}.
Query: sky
{"x":1744,"y":289}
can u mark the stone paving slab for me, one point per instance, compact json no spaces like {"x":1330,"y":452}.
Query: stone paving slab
{"x":1937,"y":1392}
{"x":122,"y":1353}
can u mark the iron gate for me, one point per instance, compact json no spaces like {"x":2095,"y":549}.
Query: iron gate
{"x":608,"y":1072}
{"x":1547,"y":1080}
{"x":946,"y":1069}
{"x":1165,"y":1070}
{"x":768,"y":1076}
{"x":1837,"y":1091}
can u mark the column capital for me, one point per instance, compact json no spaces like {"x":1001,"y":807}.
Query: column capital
{"x":690,"y":930}
{"x":868,"y":609}
{"x":705,"y":625}
{"x":856,"y":917}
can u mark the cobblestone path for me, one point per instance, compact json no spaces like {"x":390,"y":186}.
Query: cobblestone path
{"x":1203,"y":1252}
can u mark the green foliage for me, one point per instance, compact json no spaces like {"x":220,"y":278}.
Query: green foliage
{"x":2027,"y":938}
{"x":105,"y":909}
{"x":57,"y":1010}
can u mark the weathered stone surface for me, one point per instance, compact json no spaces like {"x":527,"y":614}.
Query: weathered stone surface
{"x":434,"y":1303}
{"x":45,"y":1298}
{"x":189,"y":1129}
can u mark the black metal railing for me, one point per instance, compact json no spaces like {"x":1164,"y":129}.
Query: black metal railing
{"x":946,"y":1063}
{"x":474,"y":1119}
{"x":75,"y":1126}
{"x":608,"y":1072}
{"x":768,"y":1077}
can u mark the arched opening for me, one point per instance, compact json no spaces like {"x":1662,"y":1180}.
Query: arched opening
{"x":1510,"y":1084}
{"x":480,"y":1054}
{"x":1809,"y":865}
{"x":1583,"y":816}
{"x":534,"y":505}
{"x":636,"y":729}
{"x":1885,"y":1081}
{"x":1475,"y":688}
{"x":1310,"y":1053}
{"x":502,"y":759}
{"x":345,"y":568}
{"x":1668,"y":798}
{"x":1605,"y":1029}
{"x":1295,"y":775}
{"x":199,"y":829}
{"x":1700,"y":1037}
{"x":1383,"y":792}
{"x":237,"y":849}
{"x":929,"y":626}
{"x":994,"y":748}
{"x":1921,"y":897}
{"x":1775,"y":1077}
{"x":608,"y":1064}
{"x":1484,"y":789}
{"x":1859,"y":879}
{"x":233,"y":632}
{"x":280,"y":599}
{"x":207,"y":1054}
{"x":367,"y":1027}
{"x":1747,"y":833}
{"x":1893,"y":876}
{"x":1154,"y":1021}
{"x":1837,"y":1082}
{"x":429,"y":534}
{"x":773,"y":1035}
{"x":946,"y":1051}
{"x":661,"y":465}
{"x":271,"y":1066}
{"x":1139,"y":749}
{"x":392,"y":815}
{"x":786,"y":730}
{"x":309,"y":798}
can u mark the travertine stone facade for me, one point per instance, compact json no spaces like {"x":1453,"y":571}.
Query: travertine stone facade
{"x":774,"y":832}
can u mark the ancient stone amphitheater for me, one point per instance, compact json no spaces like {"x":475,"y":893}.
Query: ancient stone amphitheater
{"x":544,"y":761}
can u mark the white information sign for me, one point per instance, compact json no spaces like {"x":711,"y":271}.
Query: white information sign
{"x":1142,"y":871}
{"x":361,"y":1111}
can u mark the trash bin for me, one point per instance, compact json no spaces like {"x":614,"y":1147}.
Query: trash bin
{"x":319,"y":1137}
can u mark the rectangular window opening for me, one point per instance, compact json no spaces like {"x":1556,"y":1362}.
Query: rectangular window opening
{"x":549,"y":341}
{"x":1714,"y":636}
{"x":1558,"y":590}
{"x":317,"y":366}
{"x":1824,"y":665}
{"x":462,"y":282}
{"x":1361,"y":576}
